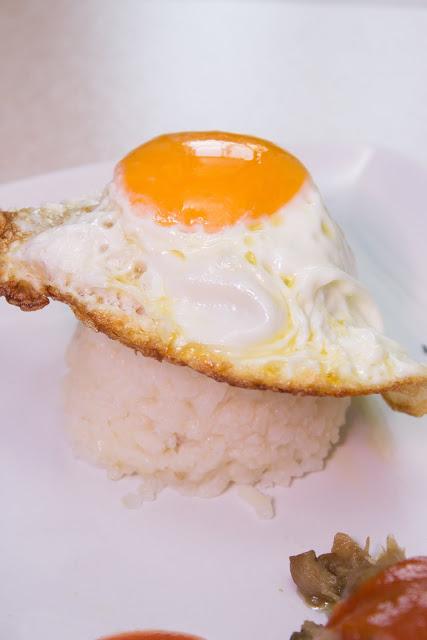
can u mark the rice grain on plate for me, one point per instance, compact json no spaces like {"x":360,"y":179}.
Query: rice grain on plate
{"x":177,"y":428}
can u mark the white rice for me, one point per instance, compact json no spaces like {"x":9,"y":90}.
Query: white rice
{"x":177,"y":428}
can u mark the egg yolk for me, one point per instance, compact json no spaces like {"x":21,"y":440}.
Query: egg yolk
{"x":209,"y":178}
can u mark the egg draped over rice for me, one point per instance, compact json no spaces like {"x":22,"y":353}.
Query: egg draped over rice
{"x":215,"y":251}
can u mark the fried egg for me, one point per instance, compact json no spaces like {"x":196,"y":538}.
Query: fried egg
{"x":214,"y":250}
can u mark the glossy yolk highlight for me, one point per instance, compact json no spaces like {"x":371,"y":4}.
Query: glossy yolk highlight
{"x":209,"y":178}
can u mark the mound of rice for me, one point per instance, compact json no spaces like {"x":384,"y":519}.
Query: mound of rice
{"x":177,"y":428}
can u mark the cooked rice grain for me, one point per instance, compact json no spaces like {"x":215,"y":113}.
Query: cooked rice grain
{"x":178,"y":428}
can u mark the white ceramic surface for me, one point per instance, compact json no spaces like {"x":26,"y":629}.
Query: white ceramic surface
{"x":75,"y":564}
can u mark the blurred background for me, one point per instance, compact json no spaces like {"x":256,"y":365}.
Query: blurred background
{"x":83,"y":82}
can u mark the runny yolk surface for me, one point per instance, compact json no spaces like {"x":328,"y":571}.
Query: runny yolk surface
{"x":389,"y":606}
{"x":209,"y":178}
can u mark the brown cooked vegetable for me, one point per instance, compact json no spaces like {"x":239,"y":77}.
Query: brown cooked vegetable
{"x":312,"y":631}
{"x":323,"y":580}
{"x":314,"y":579}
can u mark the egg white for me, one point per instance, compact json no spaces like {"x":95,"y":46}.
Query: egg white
{"x":276,"y":296}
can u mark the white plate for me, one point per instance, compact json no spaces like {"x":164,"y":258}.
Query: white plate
{"x":75,"y":564}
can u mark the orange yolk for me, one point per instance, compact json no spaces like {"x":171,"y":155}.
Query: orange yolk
{"x":209,"y":178}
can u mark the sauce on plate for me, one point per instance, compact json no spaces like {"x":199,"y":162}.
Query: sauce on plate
{"x":391,"y":605}
{"x":151,"y":635}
